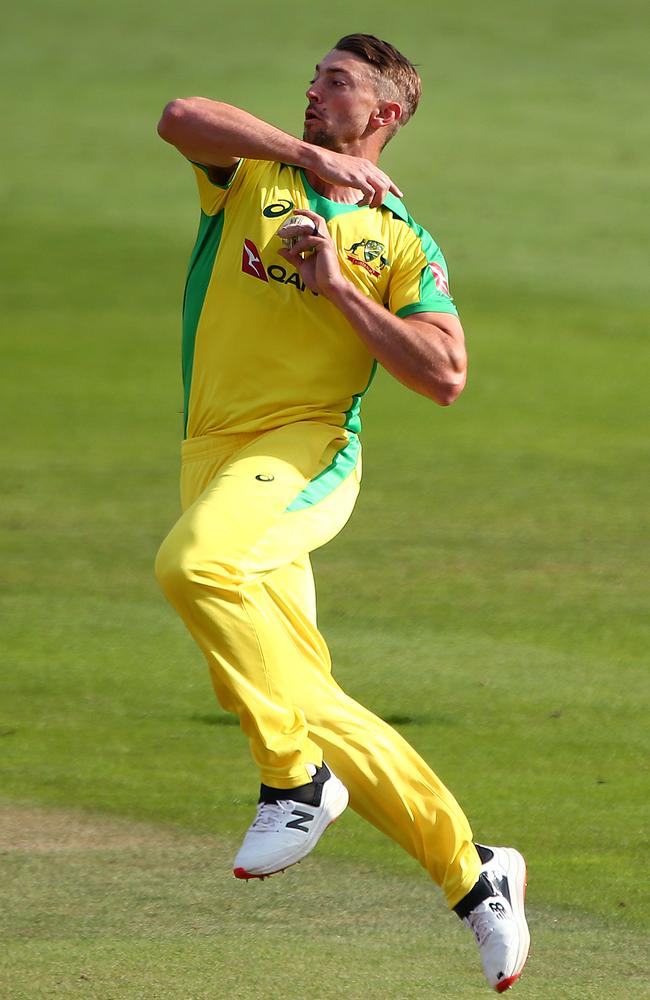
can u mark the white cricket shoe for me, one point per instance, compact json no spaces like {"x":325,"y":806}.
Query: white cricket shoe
{"x":285,"y":830}
{"x":498,"y":921}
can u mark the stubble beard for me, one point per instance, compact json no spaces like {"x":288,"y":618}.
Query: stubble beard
{"x":321,"y":137}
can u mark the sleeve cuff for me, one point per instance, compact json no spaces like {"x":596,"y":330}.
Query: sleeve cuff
{"x":445,"y":306}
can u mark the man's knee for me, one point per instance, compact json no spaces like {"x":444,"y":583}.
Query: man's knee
{"x":180,"y":569}
{"x":169,"y":567}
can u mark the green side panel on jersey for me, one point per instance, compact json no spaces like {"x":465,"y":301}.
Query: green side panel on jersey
{"x":353,"y":415}
{"x":199,"y":272}
{"x":343,"y":463}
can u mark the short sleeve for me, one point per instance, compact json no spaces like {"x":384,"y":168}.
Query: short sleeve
{"x":419,"y":278}
{"x":213,"y":196}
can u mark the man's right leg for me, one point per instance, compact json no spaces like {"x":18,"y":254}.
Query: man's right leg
{"x":212,"y":566}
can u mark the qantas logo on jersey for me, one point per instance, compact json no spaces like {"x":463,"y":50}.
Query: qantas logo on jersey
{"x":251,"y":262}
{"x":440,"y":278}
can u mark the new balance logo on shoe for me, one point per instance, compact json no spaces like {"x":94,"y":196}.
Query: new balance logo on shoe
{"x":498,"y":921}
{"x":501,"y":885}
{"x":285,"y":830}
{"x":299,"y":823}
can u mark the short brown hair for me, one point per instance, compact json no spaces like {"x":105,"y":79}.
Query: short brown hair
{"x":397,"y":78}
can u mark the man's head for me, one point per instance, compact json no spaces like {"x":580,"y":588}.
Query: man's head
{"x":364,"y":89}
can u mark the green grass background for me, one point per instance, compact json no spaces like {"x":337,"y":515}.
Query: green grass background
{"x":490,"y":594}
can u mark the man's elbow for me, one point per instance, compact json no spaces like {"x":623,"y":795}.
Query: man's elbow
{"x":180,"y":117}
{"x":447,"y":392}
{"x":171,"y":119}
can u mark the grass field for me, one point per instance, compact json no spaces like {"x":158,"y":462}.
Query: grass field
{"x":498,"y":556}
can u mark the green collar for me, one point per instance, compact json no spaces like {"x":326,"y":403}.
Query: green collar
{"x":329,"y":209}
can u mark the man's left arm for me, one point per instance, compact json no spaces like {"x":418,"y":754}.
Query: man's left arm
{"x":424,"y":351}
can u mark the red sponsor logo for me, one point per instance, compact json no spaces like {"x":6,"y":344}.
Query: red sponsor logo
{"x":440,"y":278}
{"x":364,"y":265}
{"x":251,"y":262}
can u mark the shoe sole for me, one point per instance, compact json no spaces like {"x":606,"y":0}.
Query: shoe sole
{"x":339,"y":807}
{"x":518,"y":878}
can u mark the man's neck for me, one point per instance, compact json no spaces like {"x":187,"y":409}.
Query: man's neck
{"x":342,"y":195}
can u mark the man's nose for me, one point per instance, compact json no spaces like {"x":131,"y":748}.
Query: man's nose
{"x":312,"y":94}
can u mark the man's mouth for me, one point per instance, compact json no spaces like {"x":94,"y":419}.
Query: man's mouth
{"x":310,"y":115}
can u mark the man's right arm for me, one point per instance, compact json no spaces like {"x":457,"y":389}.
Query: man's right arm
{"x":218,"y":135}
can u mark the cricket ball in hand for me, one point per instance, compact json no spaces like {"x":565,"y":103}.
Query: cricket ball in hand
{"x":295,"y":228}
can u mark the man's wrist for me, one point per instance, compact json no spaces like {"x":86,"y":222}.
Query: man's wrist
{"x":310,"y":157}
{"x":341,"y":293}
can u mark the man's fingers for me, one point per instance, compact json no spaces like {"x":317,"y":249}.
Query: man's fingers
{"x":292,"y":258}
{"x":374,"y":192}
{"x":305,"y":243}
{"x":315,"y":218}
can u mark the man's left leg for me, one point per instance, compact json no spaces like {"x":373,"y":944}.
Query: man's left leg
{"x":392,"y":787}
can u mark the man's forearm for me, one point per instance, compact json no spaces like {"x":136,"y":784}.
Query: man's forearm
{"x":427,"y":357}
{"x":211,"y":132}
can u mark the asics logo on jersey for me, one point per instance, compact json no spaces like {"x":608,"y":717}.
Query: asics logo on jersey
{"x":251,"y":262}
{"x":440,"y":278}
{"x":278,"y":208}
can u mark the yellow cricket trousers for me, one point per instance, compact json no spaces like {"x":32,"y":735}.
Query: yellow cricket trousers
{"x":236,"y":568}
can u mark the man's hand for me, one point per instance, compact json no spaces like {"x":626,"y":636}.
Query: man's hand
{"x":217,"y":134}
{"x":320,"y":269}
{"x":425,"y":352}
{"x":354,"y":172}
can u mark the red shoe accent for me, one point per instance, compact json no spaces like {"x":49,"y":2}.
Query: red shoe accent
{"x":507,"y":983}
{"x":242,"y":873}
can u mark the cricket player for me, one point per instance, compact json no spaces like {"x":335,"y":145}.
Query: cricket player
{"x":280,"y":343}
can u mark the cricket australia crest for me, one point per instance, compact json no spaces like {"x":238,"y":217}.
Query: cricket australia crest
{"x":365,"y":253}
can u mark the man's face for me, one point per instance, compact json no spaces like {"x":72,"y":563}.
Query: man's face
{"x":341,"y":99}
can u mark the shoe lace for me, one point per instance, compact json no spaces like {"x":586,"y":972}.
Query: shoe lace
{"x":269,"y":817}
{"x":481,"y":924}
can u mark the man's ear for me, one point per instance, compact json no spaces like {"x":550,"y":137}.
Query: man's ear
{"x":387,"y":114}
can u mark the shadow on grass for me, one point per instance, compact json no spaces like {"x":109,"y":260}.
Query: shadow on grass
{"x":215,"y":719}
{"x":394,"y":719}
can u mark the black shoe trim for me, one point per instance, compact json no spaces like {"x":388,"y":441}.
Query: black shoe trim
{"x":309,"y":794}
{"x":481,"y":891}
{"x":484,"y":853}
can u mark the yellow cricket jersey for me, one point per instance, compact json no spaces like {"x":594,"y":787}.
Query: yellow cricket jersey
{"x":259,"y":349}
